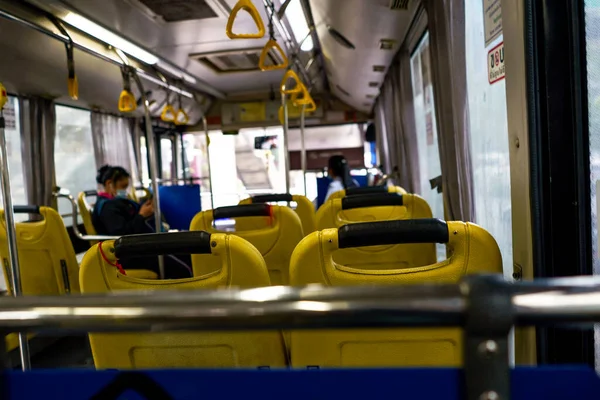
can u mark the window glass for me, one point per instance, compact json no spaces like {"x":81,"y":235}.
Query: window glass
{"x":425,"y":123}
{"x":196,"y":166}
{"x":166,"y":154}
{"x":13,"y":150}
{"x":592,"y":27}
{"x":73,"y":154}
{"x":489,"y":136}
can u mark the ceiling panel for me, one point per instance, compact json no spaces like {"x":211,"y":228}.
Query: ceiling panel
{"x":180,"y":10}
{"x":364,"y":23}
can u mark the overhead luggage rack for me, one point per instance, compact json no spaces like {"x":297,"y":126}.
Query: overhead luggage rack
{"x":485,"y":306}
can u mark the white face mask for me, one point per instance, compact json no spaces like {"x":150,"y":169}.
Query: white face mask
{"x":121,"y":193}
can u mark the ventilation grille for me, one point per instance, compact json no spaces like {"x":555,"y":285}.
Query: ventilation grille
{"x":236,"y":61}
{"x":378,"y":68}
{"x":387,"y":44}
{"x":180,"y":10}
{"x":399,"y":4}
{"x":373,"y":84}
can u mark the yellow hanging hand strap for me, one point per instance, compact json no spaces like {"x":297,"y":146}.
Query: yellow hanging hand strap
{"x":182,"y":118}
{"x":168,"y":113}
{"x":245,"y":5}
{"x":294,"y":87}
{"x":127,"y":102}
{"x":272,"y":44}
{"x":3,"y":96}
{"x":302,"y":97}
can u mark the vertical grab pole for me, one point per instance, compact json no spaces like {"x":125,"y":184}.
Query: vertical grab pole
{"x":205,"y":123}
{"x":285,"y":142}
{"x":151,"y":145}
{"x":10,"y":229}
{"x":303,"y":148}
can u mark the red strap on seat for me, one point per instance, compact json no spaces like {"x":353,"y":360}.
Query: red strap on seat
{"x":106,"y":260}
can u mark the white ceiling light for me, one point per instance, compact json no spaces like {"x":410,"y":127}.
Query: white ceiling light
{"x":297,"y":20}
{"x":179,"y":73}
{"x":110,"y":38}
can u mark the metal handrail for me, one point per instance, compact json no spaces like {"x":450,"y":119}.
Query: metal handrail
{"x":74,"y":214}
{"x":312,"y":307}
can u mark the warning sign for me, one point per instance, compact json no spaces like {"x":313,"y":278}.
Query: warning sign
{"x":492,"y":20}
{"x":9,"y":115}
{"x":496,"y":64}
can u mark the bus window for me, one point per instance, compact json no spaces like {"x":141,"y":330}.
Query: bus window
{"x":13,"y":150}
{"x":425,"y":122}
{"x":489,"y":136}
{"x":73,"y":154}
{"x":592,"y":19}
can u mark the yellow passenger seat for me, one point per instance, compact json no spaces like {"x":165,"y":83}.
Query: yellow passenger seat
{"x":304,"y":207}
{"x":366,"y":190}
{"x":241,"y":265}
{"x":48,"y":264}
{"x":85,"y":210}
{"x":273,"y":230}
{"x":371,"y":207}
{"x":385,"y":206}
{"x":472,"y":250}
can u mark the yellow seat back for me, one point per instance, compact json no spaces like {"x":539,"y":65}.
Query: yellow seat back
{"x":273,"y":230}
{"x":85,"y":210}
{"x":241,"y":265}
{"x":304,"y":207}
{"x":378,"y":207}
{"x":48,"y":264}
{"x":366,"y":190}
{"x":472,"y":250}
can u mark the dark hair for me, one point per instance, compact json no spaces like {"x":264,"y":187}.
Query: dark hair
{"x":109,"y":172}
{"x":339,"y":166}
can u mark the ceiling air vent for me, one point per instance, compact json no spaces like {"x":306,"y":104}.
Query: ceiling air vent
{"x":373,"y":84}
{"x":370,"y":96}
{"x":399,"y":4}
{"x":378,"y":68}
{"x":341,"y":89}
{"x":245,"y":60}
{"x":341,"y":39}
{"x":180,"y":10}
{"x":387,"y":44}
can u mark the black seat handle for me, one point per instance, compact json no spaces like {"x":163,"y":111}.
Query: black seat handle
{"x":246,"y":210}
{"x":26,"y":209}
{"x":266,"y":198}
{"x":372,"y":200}
{"x":89,"y":193}
{"x":156,"y":244}
{"x":366,"y":190}
{"x":430,"y":230}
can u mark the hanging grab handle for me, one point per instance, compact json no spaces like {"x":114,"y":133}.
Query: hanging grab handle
{"x":168,"y":113}
{"x":3,"y":96}
{"x":181,"y":118}
{"x":378,"y":233}
{"x":245,"y":5}
{"x":302,"y":98}
{"x":127,"y":101}
{"x":157,"y":244}
{"x":272,"y":44}
{"x":311,"y":107}
{"x":72,"y":82}
{"x":297,"y":88}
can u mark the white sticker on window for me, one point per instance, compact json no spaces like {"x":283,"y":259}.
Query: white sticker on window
{"x":9,"y":116}
{"x":495,"y":62}
{"x":492,"y":20}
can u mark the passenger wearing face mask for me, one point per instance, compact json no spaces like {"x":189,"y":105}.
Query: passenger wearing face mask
{"x":116,"y":215}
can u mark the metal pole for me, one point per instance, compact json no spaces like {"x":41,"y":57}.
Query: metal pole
{"x":12,"y":236}
{"x":303,"y":149}
{"x":151,"y":146}
{"x":286,"y":153}
{"x":205,"y":123}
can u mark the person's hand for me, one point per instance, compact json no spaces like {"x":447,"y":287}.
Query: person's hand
{"x":147,"y":209}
